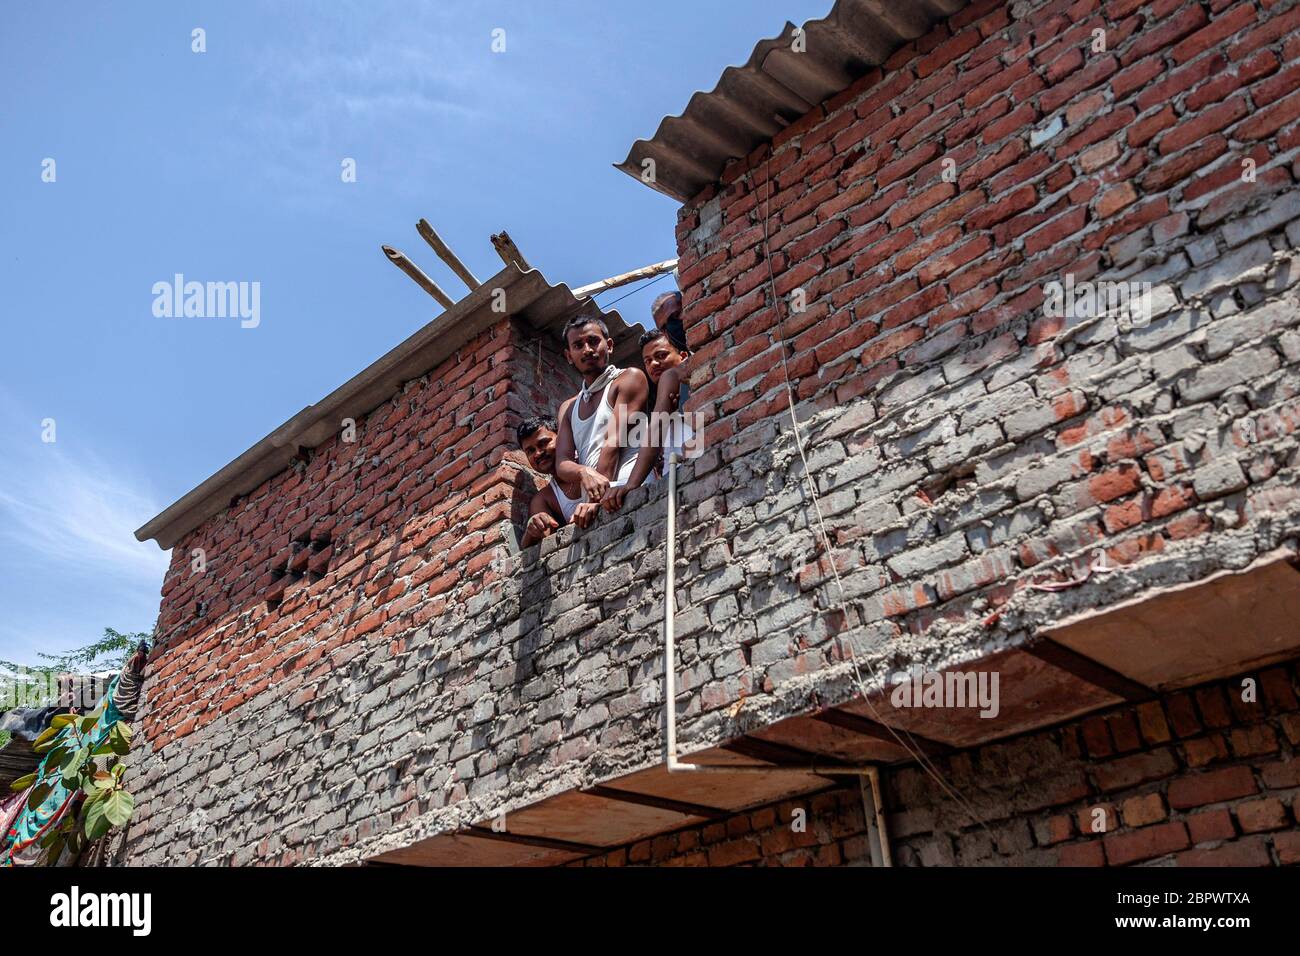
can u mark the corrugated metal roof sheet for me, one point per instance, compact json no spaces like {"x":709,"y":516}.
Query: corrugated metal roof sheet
{"x":543,"y":306}
{"x":755,"y":101}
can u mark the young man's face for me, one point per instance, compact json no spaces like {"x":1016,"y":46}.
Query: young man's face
{"x":589,"y":349}
{"x":539,"y":448}
{"x":659,"y":355}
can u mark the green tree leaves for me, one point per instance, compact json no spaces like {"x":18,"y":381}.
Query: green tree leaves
{"x":118,"y":805}
{"x":119,"y":738}
{"x":112,"y":651}
{"x":40,"y":793}
{"x":95,"y":819}
{"x":94,"y":771}
{"x":72,"y":767}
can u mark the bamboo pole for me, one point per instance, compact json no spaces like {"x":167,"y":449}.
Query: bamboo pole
{"x":649,"y":272}
{"x":509,"y":252}
{"x":423,"y":281}
{"x":444,"y":252}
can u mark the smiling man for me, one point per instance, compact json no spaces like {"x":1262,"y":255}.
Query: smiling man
{"x":556,"y":504}
{"x":667,"y":368}
{"x":590,"y":449}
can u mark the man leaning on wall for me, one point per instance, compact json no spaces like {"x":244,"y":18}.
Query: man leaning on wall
{"x":593,"y":449}
{"x":555,"y":505}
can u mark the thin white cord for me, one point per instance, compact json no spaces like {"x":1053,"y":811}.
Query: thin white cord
{"x":913,"y":749}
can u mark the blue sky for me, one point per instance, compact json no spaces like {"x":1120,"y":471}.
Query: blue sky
{"x":225,"y":166}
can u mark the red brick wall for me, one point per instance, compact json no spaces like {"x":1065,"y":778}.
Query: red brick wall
{"x":891,"y":255}
{"x":924,"y":296}
{"x":422,"y":492}
{"x":542,"y":380}
{"x":1200,"y":777}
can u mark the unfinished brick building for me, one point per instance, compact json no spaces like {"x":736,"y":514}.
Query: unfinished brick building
{"x":1100,"y":508}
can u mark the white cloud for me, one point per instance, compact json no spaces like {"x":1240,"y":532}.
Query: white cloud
{"x":76,"y":512}
{"x":69,"y":562}
{"x":354,"y":80}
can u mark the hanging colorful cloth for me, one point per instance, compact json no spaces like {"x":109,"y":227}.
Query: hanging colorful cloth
{"x":10,"y":806}
{"x":20,"y":839}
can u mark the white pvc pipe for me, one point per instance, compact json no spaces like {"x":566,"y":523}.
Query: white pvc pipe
{"x":870,"y":771}
{"x":670,"y":608}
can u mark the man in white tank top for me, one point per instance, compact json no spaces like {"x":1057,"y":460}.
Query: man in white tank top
{"x":555,"y":505}
{"x":590,"y":449}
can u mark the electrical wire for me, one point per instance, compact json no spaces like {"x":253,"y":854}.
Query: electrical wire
{"x":913,"y":749}
{"x":645,"y":284}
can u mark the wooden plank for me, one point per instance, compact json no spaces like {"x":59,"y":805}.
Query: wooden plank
{"x":870,"y":728}
{"x":509,"y":252}
{"x":731,"y":791}
{"x":400,"y":260}
{"x":626,"y":278}
{"x":467,"y":848}
{"x":1181,"y":635}
{"x":781,"y":755}
{"x":1086,"y":669}
{"x":444,"y":252}
{"x":662,"y":803}
{"x":523,"y":839}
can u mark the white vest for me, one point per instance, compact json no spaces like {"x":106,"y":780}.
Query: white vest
{"x":567,"y":505}
{"x":589,"y":437}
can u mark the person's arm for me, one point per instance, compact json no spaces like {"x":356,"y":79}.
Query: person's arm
{"x":541,"y":518}
{"x":670,"y":400}
{"x":681,"y":376}
{"x":629,"y":399}
{"x":646,"y":460}
{"x":629,"y":396}
{"x":568,"y":470}
{"x":651,"y":452}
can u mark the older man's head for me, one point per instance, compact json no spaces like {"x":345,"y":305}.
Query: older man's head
{"x":665,"y":307}
{"x":667,"y":312}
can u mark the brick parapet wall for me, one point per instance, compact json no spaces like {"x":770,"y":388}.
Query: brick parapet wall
{"x":1197,"y":778}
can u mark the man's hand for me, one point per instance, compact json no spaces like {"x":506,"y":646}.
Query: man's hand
{"x":585,"y":513}
{"x":594,"y":485}
{"x":613,"y":499}
{"x":540,"y":525}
